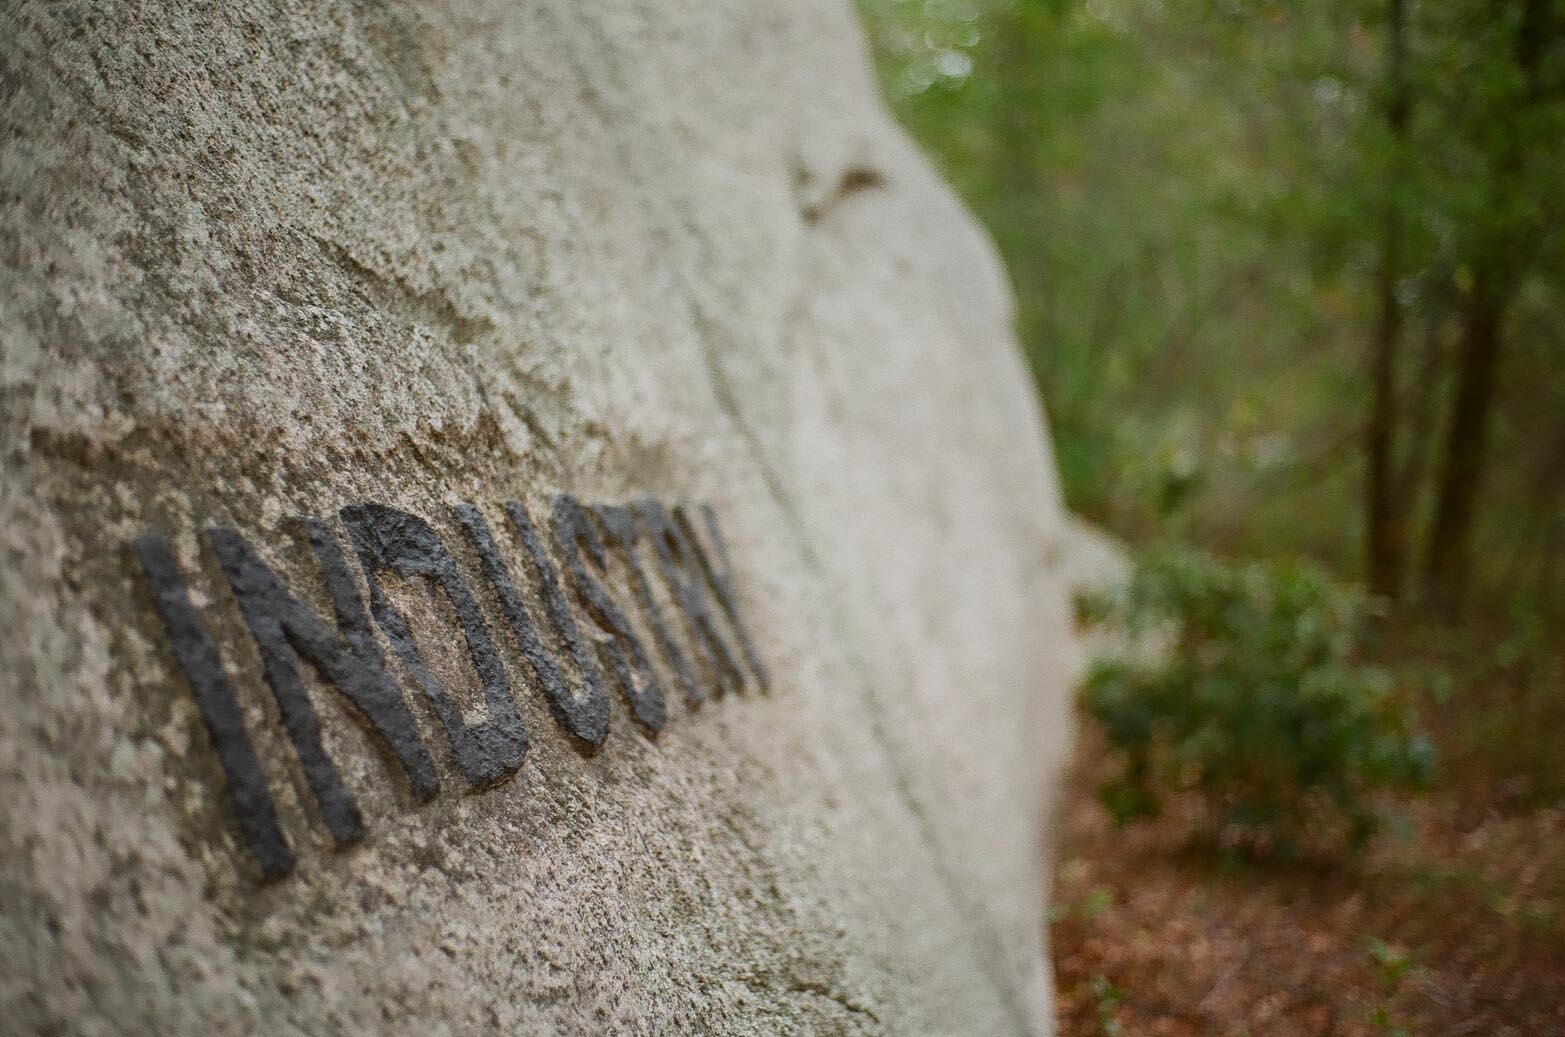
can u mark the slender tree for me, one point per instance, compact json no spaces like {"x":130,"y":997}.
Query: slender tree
{"x":1498,"y":264}
{"x":1386,"y":533}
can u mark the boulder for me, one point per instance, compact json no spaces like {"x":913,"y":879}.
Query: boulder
{"x":518,"y":518}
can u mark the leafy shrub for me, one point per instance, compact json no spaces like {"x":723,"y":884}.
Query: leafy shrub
{"x":1244,"y":687}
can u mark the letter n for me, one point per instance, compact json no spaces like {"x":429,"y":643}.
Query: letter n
{"x":284,"y":628}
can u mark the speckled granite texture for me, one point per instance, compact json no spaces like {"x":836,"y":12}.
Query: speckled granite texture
{"x":261,"y":261}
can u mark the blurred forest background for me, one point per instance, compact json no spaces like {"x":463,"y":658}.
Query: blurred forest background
{"x":1291,"y":278}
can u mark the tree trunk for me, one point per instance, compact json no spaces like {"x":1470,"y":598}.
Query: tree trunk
{"x":1386,"y":532}
{"x":1500,"y":264}
{"x":1438,"y":296}
{"x":1462,"y":477}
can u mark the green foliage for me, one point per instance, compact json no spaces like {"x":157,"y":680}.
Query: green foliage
{"x":1247,"y":691}
{"x":1190,"y":197}
{"x":1107,"y":998}
{"x":1392,"y":964}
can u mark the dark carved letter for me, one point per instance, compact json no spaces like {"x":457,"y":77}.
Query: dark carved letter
{"x":197,"y":657}
{"x":623,"y":531}
{"x":685,"y":578}
{"x":282,"y":628}
{"x":720,"y":578}
{"x":586,"y":717}
{"x":573,"y":530}
{"x":390,"y":540}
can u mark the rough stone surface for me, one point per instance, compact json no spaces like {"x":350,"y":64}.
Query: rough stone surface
{"x":266,"y":260}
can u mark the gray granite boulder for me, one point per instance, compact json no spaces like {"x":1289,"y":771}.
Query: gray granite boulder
{"x":517,"y":518}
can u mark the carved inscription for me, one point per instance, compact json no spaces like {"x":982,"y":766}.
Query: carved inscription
{"x":678,"y":589}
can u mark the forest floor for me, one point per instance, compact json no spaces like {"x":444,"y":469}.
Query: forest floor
{"x":1452,"y":924}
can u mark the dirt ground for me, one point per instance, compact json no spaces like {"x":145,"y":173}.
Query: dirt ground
{"x":1453,"y":924}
